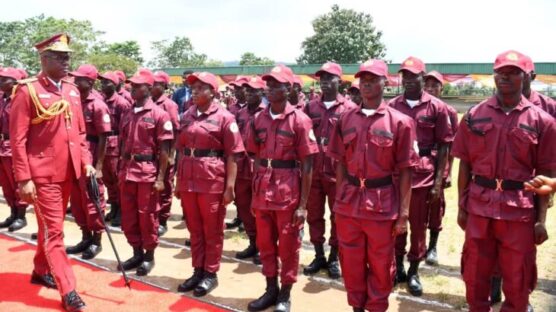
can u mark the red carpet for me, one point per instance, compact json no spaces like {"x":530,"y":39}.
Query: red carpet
{"x":101,"y":290}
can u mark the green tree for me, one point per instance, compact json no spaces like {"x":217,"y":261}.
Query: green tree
{"x":176,"y":53}
{"x":343,"y":36}
{"x":111,"y":61}
{"x":249,"y":58}
{"x":17,"y":40}
{"x":130,"y":49}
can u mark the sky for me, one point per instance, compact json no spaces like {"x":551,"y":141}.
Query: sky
{"x":434,"y":30}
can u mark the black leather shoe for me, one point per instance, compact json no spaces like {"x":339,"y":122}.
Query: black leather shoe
{"x":187,"y":243}
{"x":147,"y":265}
{"x":207,"y":284}
{"x":46,"y":280}
{"x":86,"y":241}
{"x":283,"y":303}
{"x":358,"y":310}
{"x":315,"y":266}
{"x":432,"y":257}
{"x":248,"y":252}
{"x":495,"y":290}
{"x":34,"y":236}
{"x":269,"y":297}
{"x":134,"y":261}
{"x":414,"y":285}
{"x":72,"y":302}
{"x":233,"y":224}
{"x":257,"y":259}
{"x":162,"y":229}
{"x":530,"y":308}
{"x":9,"y":220}
{"x":95,"y":248}
{"x":192,"y":282}
{"x":333,"y":268}
{"x":18,"y":224}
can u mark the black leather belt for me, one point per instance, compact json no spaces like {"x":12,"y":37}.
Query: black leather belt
{"x":4,"y":137}
{"x":139,"y":157}
{"x":370,"y":183}
{"x":323,"y":141}
{"x":425,"y":152}
{"x":92,"y":138}
{"x":193,"y":152}
{"x":498,"y":184}
{"x":278,"y":163}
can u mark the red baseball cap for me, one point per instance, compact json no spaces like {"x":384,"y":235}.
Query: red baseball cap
{"x":23,"y":73}
{"x":143,"y":76}
{"x":376,"y":67}
{"x":109,"y":75}
{"x":239,"y":81}
{"x":530,"y":64}
{"x":413,"y":65}
{"x":511,"y":58}
{"x":120,"y":74}
{"x":86,"y":71}
{"x":436,"y":75}
{"x":11,"y":72}
{"x":355,"y":84}
{"x":331,"y":68}
{"x":204,"y":77}
{"x":280,"y":73}
{"x":256,"y":83}
{"x":161,"y":76}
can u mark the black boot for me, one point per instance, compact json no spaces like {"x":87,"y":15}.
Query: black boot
{"x":413,"y":283}
{"x":86,"y":241}
{"x":257,"y":259}
{"x":162,"y":228}
{"x":333,"y":264}
{"x":192,"y":282}
{"x":432,"y":257}
{"x":206,"y":285}
{"x":9,"y":220}
{"x":248,"y":252}
{"x":134,"y":261}
{"x":233,"y":224}
{"x":401,"y":276}
{"x":358,"y":309}
{"x":283,"y":303}
{"x":148,"y":263}
{"x":269,"y":297}
{"x":495,"y":290}
{"x":318,"y":263}
{"x":72,"y":302}
{"x":34,"y":236}
{"x":20,"y":221}
{"x":46,"y":280}
{"x":117,"y":218}
{"x":95,"y":248}
{"x":530,"y":308}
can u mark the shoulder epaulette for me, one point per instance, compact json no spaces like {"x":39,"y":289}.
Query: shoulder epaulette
{"x":28,"y":80}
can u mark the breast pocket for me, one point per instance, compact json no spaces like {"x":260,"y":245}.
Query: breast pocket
{"x":211,"y":135}
{"x":382,"y":143}
{"x":284,"y":143}
{"x":41,"y":162}
{"x":479,"y":138}
{"x":522,"y":142}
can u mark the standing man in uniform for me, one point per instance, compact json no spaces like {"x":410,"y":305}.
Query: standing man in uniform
{"x":542,"y":101}
{"x":120,"y":88}
{"x":324,"y":113}
{"x":254,"y":90}
{"x":117,"y":106}
{"x":146,"y":132}
{"x":434,"y":134}
{"x":97,"y":124}
{"x":371,"y":144}
{"x":297,"y":98}
{"x":433,"y":85}
{"x":355,"y":93}
{"x":16,"y":220}
{"x":47,"y":135}
{"x":504,"y":142}
{"x":182,"y":95}
{"x":283,"y":143}
{"x":161,"y":81}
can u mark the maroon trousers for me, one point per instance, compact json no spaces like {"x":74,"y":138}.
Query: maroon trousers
{"x":204,"y":215}
{"x":418,"y":219}
{"x":86,"y":214}
{"x":316,"y":204}
{"x":9,"y":186}
{"x":167,"y":194}
{"x":436,"y":213}
{"x":244,"y":194}
{"x":140,"y":208}
{"x":509,"y":245}
{"x":50,"y":257}
{"x":278,"y":238}
{"x":110,"y":178}
{"x":367,"y":260}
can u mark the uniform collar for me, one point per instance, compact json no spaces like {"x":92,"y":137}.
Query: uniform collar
{"x":161,"y":99}
{"x":112,"y":98}
{"x":48,"y":83}
{"x":339,"y":101}
{"x":287,"y":110}
{"x":148,"y":105}
{"x":90,"y":98}
{"x":211,"y":109}
{"x":534,"y":97}
{"x":425,"y":97}
{"x":259,"y":108}
{"x":523,"y":103}
{"x":380,"y":110}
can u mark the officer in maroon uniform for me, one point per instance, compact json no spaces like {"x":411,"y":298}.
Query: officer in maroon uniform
{"x":324,"y":113}
{"x":434,"y":133}
{"x":161,"y":81}
{"x":283,"y":143}
{"x":502,"y":143}
{"x":371,"y":143}
{"x":120,"y":88}
{"x":208,"y":143}
{"x":433,"y":85}
{"x":146,"y":132}
{"x":355,"y":93}
{"x":297,"y":98}
{"x":117,"y":106}
{"x":97,"y":123}
{"x":47,"y":136}
{"x":254,"y":90}
{"x":16,"y":220}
